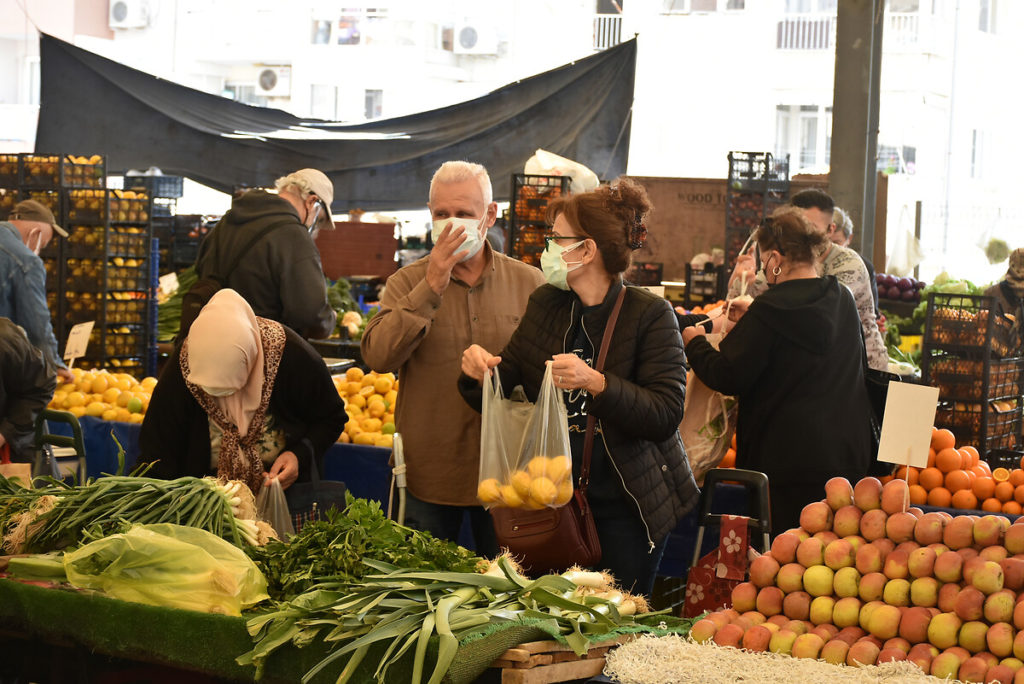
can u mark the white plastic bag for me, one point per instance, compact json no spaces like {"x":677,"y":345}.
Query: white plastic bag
{"x":546,"y":163}
{"x":524,"y":448}
{"x":709,"y":421}
{"x":272,"y":506}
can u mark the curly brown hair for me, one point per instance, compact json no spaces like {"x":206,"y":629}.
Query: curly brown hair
{"x":613,"y":216}
{"x":789,"y":231}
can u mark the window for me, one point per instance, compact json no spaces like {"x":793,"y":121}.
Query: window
{"x":374,"y":103}
{"x":245,"y":93}
{"x":323,"y":102}
{"x":32,"y":80}
{"x":987,"y":16}
{"x":810,"y":6}
{"x":977,"y":153}
{"x":700,"y":6}
{"x":896,"y":159}
{"x":804,"y":132}
{"x":348,"y":31}
{"x":321,"y":32}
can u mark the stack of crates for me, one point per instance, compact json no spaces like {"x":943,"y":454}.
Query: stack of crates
{"x":758,"y":183}
{"x":974,"y":356}
{"x":527,"y":222}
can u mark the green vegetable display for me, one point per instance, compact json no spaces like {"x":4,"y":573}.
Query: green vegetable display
{"x":58,"y":515}
{"x":406,"y":608}
{"x":333,"y":550}
{"x":168,"y":315}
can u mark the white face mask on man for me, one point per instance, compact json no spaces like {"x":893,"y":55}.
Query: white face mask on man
{"x":474,"y":241}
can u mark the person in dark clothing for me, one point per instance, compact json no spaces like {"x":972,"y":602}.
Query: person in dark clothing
{"x":794,"y":351}
{"x":27,"y":382}
{"x":280,"y":275}
{"x":640,"y":481}
{"x":1009,"y":292}
{"x":243,"y":398}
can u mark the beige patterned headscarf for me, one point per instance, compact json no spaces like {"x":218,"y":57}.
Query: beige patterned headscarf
{"x":229,"y":348}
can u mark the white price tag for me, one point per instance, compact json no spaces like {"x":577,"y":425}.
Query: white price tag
{"x":907,"y":425}
{"x":169,"y":283}
{"x":78,"y":341}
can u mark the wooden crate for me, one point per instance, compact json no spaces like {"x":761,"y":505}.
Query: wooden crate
{"x":544,"y":662}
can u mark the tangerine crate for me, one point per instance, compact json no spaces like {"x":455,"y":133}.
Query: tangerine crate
{"x":968,"y":324}
{"x":965,"y":378}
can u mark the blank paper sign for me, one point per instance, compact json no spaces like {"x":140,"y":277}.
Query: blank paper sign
{"x":907,"y":426}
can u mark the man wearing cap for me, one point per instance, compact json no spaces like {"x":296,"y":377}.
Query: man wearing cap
{"x":280,"y":275}
{"x":28,"y":229}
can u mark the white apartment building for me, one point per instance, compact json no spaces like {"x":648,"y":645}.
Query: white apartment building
{"x":712,"y":76}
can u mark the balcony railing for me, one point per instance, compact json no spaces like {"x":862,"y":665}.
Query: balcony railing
{"x":607,"y":31}
{"x":818,"y":32}
{"x":806,"y":32}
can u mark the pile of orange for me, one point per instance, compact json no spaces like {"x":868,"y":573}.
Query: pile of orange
{"x":958,"y":478}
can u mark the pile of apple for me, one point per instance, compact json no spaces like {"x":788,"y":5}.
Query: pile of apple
{"x":867,"y":580}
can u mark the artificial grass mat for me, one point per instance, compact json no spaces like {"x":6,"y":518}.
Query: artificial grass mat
{"x":209,"y":644}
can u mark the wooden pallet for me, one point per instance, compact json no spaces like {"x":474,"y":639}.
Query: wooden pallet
{"x":545,"y":662}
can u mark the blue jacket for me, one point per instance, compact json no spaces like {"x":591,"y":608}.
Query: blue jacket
{"x":23,"y":292}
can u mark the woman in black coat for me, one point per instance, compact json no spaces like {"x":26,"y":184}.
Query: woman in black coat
{"x":244,"y":398}
{"x":640,"y":481}
{"x":795,"y":361}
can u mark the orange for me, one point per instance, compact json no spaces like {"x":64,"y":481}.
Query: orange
{"x":943,"y":439}
{"x":1000,"y":474}
{"x":964,"y":499}
{"x":931,"y":458}
{"x":984,"y":466}
{"x":1018,"y":494}
{"x":1011,"y":508}
{"x":1022,"y":461}
{"x":1004,"y":491}
{"x":957,"y":480}
{"x":733,"y":442}
{"x":1017,"y":477}
{"x":940,"y":497}
{"x":975,"y":456}
{"x":992,"y":506}
{"x":911,"y":477}
{"x":918,"y":494}
{"x":930,"y":478}
{"x":965,"y":459}
{"x":981,"y":472}
{"x":948,"y":459}
{"x":729,"y":460}
{"x":973,"y":475}
{"x":886,"y":478}
{"x":984,"y":487}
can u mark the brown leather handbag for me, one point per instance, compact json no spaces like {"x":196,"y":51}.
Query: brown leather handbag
{"x":553,"y":539}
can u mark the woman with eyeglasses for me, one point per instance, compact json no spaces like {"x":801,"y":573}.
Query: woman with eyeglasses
{"x":640,"y":481}
{"x":794,"y":358}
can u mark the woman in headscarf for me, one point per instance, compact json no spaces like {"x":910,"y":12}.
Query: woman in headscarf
{"x":1009,"y":292}
{"x":245,"y":398}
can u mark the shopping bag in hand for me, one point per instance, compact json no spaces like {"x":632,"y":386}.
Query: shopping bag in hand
{"x":711,"y":581}
{"x":709,"y":421}
{"x":273,"y":507}
{"x":524,"y":448}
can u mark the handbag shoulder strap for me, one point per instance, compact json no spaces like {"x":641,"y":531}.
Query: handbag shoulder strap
{"x":588,"y":440}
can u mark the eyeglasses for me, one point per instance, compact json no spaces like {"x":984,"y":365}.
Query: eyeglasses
{"x":549,"y":238}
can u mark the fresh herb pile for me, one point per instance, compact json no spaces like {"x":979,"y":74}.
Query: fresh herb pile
{"x":332,"y":550}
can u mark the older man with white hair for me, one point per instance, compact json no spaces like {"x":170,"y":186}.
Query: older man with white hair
{"x":270,"y":236}
{"x":462,"y":293}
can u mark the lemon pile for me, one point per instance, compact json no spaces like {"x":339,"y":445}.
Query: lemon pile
{"x":370,"y":404}
{"x":105,"y":395}
{"x":547,"y":481}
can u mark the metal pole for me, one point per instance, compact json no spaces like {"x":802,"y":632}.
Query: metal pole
{"x":917,"y":232}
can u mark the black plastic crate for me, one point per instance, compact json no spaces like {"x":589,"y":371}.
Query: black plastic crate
{"x":168,"y":187}
{"x":527,"y":243}
{"x":668,"y":593}
{"x":968,"y":324}
{"x":83,"y":172}
{"x":705,"y":286}
{"x":8,"y":171}
{"x":966,"y":378}
{"x":985,"y":424}
{"x":532,"y":193}
{"x":1004,"y":458}
{"x":758,"y":172}
{"x":184,"y":251}
{"x":645,"y":273}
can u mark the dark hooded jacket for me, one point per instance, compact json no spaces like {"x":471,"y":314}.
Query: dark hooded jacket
{"x":638,"y":412}
{"x":796,"y":363}
{"x":27,"y":382}
{"x":281,"y":275}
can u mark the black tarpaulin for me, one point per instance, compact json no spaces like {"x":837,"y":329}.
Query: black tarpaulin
{"x":92,"y":105}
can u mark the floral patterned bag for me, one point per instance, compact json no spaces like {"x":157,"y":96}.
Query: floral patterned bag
{"x":711,"y":580}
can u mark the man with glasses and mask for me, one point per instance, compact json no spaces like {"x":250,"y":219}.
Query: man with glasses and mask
{"x":279,"y":273}
{"x":462,"y":293}
{"x":26,"y":232}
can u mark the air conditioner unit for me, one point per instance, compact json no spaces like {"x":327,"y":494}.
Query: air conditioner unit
{"x":275,"y":81}
{"x":128,"y":14}
{"x":475,"y":38}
